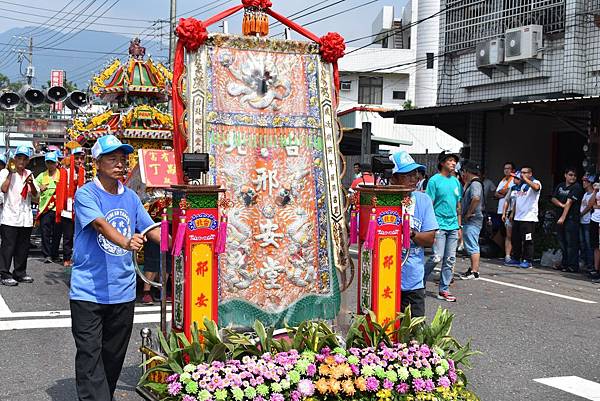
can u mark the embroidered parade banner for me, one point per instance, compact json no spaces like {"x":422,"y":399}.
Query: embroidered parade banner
{"x":263,"y":111}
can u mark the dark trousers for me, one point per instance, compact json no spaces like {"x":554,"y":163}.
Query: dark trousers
{"x":67,"y":232}
{"x":15,"y":248}
{"x":416,"y":300}
{"x":101,"y":334}
{"x":568,"y":236}
{"x":522,"y":240}
{"x":51,"y":233}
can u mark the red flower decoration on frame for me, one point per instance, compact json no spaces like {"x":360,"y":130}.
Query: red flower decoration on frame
{"x":257,"y":3}
{"x":332,"y":47}
{"x":192,"y":33}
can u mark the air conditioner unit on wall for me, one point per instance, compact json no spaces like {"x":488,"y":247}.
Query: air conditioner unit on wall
{"x":346,"y":85}
{"x":490,"y":53}
{"x":523,"y":43}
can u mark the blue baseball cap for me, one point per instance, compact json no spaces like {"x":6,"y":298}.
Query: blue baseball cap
{"x":51,"y":157}
{"x":76,"y":150}
{"x":23,"y":150}
{"x":107,"y":144}
{"x":404,"y":163}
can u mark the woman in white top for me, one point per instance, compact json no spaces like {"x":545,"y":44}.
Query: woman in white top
{"x":586,"y":250}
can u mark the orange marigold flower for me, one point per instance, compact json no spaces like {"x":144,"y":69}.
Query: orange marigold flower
{"x":334,"y":386}
{"x":348,"y":387}
{"x":361,"y":383}
{"x":330,"y":360}
{"x":324,"y":370}
{"x":322,"y":385}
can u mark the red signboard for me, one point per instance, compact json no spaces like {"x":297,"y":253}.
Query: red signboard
{"x":57,"y":78}
{"x":157,"y":167}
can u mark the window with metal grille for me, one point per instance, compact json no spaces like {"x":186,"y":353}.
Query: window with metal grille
{"x":399,"y":95}
{"x":370,"y":90}
{"x":468,"y":22}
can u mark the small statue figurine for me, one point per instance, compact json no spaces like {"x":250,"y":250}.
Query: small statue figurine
{"x":136,"y":49}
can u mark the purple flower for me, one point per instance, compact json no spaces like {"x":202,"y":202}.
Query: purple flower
{"x":452,"y":375}
{"x":174,"y":388}
{"x":429,"y":385}
{"x":418,"y":384}
{"x":388,"y":385}
{"x":355,"y":369}
{"x":277,"y":397}
{"x":172,"y":378}
{"x":444,"y":381}
{"x":425,"y":351}
{"x":402,"y":388}
{"x":372,"y":384}
{"x":354,"y":351}
{"x":295,"y":395}
{"x":451,"y":363}
{"x":339,"y":358}
{"x":259,"y":398}
{"x":311,"y":370}
{"x":189,"y":398}
{"x":326,"y":351}
{"x":306,"y":387}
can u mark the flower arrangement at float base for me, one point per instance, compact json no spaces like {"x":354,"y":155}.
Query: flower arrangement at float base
{"x":323,"y":370}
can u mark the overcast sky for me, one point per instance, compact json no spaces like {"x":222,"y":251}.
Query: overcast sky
{"x":351,"y":24}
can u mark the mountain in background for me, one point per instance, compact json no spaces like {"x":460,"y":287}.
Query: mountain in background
{"x":79,"y":65}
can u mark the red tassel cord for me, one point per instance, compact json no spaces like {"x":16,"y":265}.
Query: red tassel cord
{"x":353,"y":227}
{"x":180,"y":236}
{"x":370,"y":239}
{"x":221,"y":236}
{"x":164,"y":233}
{"x":406,"y":231}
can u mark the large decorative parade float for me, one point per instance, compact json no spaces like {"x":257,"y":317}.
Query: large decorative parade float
{"x":260,"y":240}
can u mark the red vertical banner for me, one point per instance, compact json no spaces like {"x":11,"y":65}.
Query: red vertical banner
{"x":57,"y":78}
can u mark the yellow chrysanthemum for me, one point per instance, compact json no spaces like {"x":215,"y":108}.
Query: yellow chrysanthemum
{"x":334,"y":386}
{"x":348,"y":387}
{"x":361,"y":383}
{"x":322,"y":385}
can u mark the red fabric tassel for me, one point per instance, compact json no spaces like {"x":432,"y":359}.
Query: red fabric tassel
{"x":72,"y":176}
{"x":353,"y":228}
{"x":370,"y":239}
{"x":180,"y":236}
{"x":80,"y":177}
{"x":164,"y":234}
{"x":406,"y":231}
{"x":221,"y":236}
{"x":61,"y":193}
{"x":25,"y":190}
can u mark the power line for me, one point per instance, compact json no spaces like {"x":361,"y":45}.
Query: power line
{"x":30,"y":14}
{"x":340,"y":12}
{"x":187,"y":13}
{"x":66,"y":12}
{"x":277,"y":23}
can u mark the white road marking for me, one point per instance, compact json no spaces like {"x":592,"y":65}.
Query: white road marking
{"x":553,"y":294}
{"x":66,"y":322}
{"x":574,"y":385}
{"x":63,"y":313}
{"x":4,"y":309}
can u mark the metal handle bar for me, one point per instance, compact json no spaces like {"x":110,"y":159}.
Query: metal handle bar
{"x":135,"y":263}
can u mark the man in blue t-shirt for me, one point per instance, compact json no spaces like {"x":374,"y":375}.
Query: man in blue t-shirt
{"x":445,"y":191}
{"x":423,"y":226}
{"x":109,"y":218}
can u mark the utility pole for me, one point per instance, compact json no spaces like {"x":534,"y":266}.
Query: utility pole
{"x":172,"y":23}
{"x":30,"y":71}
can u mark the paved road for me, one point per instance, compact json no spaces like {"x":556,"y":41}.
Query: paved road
{"x":523,"y":334}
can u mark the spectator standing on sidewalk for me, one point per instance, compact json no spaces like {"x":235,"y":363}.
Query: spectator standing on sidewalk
{"x":527,"y":197}
{"x":445,"y":191}
{"x":501,"y":190}
{"x":2,"y":167}
{"x":18,"y":187}
{"x":508,"y":208}
{"x":594,"y":203}
{"x":423,"y":225}
{"x":567,"y":199}
{"x":472,"y":215}
{"x":586,"y":250}
{"x":109,"y":218}
{"x":51,"y":231}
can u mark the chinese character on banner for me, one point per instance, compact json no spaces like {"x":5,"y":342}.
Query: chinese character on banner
{"x":57,"y":78}
{"x":388,"y":261}
{"x":158,"y":169}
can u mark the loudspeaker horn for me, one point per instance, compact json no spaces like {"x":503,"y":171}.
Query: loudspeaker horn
{"x":76,"y":100}
{"x":55,"y":94}
{"x":32,"y":96}
{"x":9,"y":100}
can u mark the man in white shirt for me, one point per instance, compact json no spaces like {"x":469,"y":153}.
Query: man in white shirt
{"x":18,"y":187}
{"x":525,"y":218}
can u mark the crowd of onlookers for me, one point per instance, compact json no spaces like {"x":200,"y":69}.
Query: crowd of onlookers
{"x":468,"y":206}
